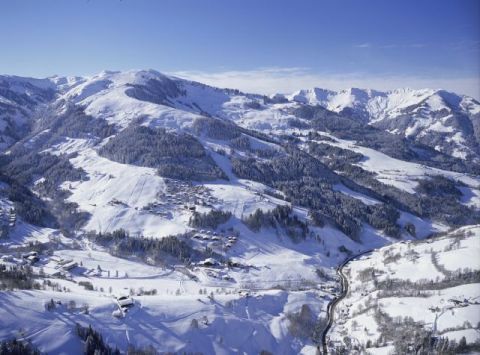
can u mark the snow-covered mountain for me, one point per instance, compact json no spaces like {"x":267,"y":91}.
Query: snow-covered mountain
{"x":443,"y":120}
{"x":223,"y":213}
{"x":19,"y":97}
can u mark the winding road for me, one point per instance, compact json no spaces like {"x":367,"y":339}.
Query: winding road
{"x":344,"y":290}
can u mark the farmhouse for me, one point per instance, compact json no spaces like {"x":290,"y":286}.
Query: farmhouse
{"x":70,"y":265}
{"x":208,"y":262}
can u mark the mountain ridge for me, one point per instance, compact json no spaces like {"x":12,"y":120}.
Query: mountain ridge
{"x":224,"y":212}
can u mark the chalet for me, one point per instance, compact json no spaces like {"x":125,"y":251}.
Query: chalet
{"x":208,"y":262}
{"x":31,"y":253}
{"x":125,"y":303}
{"x":56,"y":258}
{"x":455,"y":302}
{"x":70,"y":265}
{"x":12,"y":219}
{"x":32,"y":259}
{"x":64,"y":261}
{"x":244,"y":293}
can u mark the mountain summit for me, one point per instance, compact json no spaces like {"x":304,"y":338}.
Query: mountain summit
{"x":442,"y":120}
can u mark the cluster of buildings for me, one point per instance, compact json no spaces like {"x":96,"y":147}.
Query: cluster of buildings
{"x":215,"y":239}
{"x":181,"y":196}
{"x":28,"y":258}
{"x":64,"y":264}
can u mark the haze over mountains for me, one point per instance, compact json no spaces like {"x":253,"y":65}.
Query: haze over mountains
{"x":234,"y":207}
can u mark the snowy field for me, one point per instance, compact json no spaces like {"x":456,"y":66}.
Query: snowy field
{"x":426,"y":274}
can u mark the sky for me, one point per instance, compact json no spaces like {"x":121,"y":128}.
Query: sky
{"x":262,"y":46}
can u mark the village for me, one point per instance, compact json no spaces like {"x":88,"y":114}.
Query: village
{"x":181,"y":196}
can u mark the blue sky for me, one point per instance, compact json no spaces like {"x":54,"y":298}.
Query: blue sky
{"x":259,"y":45}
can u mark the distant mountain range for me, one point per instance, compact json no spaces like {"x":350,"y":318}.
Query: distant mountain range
{"x":442,"y":120}
{"x":438,"y":118}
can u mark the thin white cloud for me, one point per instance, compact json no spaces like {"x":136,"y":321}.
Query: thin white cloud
{"x":363,"y":45}
{"x":390,"y":45}
{"x":286,"y":80}
{"x":417,"y":45}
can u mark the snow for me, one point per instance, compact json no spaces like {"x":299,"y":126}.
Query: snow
{"x":235,"y":322}
{"x":372,"y":104}
{"x":20,"y":84}
{"x":468,"y":249}
{"x":400,"y":173}
{"x":377,"y":105}
{"x":278,"y":274}
{"x":470,"y":196}
{"x":365,"y":199}
{"x":440,"y":127}
{"x":424,"y":112}
{"x":134,"y":187}
{"x":456,"y":250}
{"x":423,"y":227}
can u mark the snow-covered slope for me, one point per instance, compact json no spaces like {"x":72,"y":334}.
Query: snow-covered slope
{"x":235,"y":208}
{"x":400,"y":294}
{"x":19,"y":99}
{"x":444,"y":120}
{"x":377,"y":105}
{"x":440,"y":119}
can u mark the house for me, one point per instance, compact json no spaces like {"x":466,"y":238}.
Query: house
{"x":56,"y":258}
{"x":57,"y":273}
{"x":64,"y":261}
{"x":32,"y":259}
{"x":125,"y":303}
{"x":455,"y":302}
{"x":70,"y":265}
{"x":29,"y":254}
{"x":208,"y":262}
